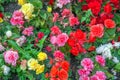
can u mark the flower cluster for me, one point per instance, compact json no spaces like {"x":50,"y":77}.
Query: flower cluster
{"x":34,"y":65}
{"x":88,"y":67}
{"x":76,"y":42}
{"x":58,"y":38}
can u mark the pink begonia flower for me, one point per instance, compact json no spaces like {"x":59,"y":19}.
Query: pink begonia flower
{"x":17,"y":18}
{"x":16,"y":21}
{"x":48,"y":48}
{"x":73,"y":21}
{"x":55,"y":16}
{"x":65,"y":12}
{"x":94,"y":77}
{"x":62,"y":39}
{"x":28,"y":31}
{"x":11,"y":57}
{"x":17,"y":14}
{"x":55,"y":30}
{"x":101,"y":75}
{"x":83,"y":72}
{"x":87,"y":64}
{"x":58,"y":55}
{"x":84,"y":78}
{"x":53,"y":39}
{"x":100,"y":60}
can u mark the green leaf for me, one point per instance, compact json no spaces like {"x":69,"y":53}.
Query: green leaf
{"x":43,"y":15}
{"x":117,"y":18}
{"x":37,"y":3}
{"x":86,"y":18}
{"x":117,"y":67}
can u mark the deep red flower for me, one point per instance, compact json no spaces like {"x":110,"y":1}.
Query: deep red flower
{"x":91,"y":38}
{"x":74,"y":51}
{"x":40,"y":35}
{"x":85,"y":7}
{"x":1,"y":15}
{"x":109,"y":23}
{"x":71,"y":41}
{"x":91,"y":48}
{"x":95,"y":7}
{"x":107,"y":8}
{"x":51,"y":2}
{"x":80,"y":35}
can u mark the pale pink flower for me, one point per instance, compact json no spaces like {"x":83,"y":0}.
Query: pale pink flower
{"x":20,"y":41}
{"x":73,"y":21}
{"x":53,"y":39}
{"x":28,"y":31}
{"x":23,"y":65}
{"x":62,"y":39}
{"x":58,"y":55}
{"x":63,"y":2}
{"x":83,"y":72}
{"x":2,"y":48}
{"x":55,"y":16}
{"x":11,"y":57}
{"x":101,"y":75}
{"x":100,"y":60}
{"x":87,"y":64}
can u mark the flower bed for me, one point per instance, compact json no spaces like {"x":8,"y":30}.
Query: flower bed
{"x":59,"y":40}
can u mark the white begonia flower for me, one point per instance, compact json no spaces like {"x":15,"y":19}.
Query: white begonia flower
{"x":6,"y":69}
{"x":106,"y":53}
{"x":104,"y":47}
{"x":8,"y":34}
{"x":113,"y":71}
{"x":115,"y":60}
{"x":116,"y":44}
{"x":109,"y":45}
{"x":100,"y":49}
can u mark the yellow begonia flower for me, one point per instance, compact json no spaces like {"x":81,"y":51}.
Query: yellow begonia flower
{"x":1,"y":20}
{"x":32,"y":63}
{"x":21,"y":2}
{"x":27,"y":10}
{"x":49,"y":9}
{"x":42,"y":56}
{"x":40,"y":68}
